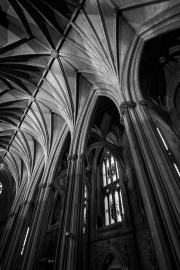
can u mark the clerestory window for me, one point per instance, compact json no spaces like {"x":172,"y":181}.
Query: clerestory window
{"x":112,"y":195}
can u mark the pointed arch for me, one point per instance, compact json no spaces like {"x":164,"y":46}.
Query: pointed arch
{"x":110,"y":250}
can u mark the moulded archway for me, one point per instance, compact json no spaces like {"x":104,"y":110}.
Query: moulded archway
{"x":106,"y":260}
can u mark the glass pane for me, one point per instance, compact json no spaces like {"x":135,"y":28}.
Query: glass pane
{"x":108,"y":171}
{"x":112,"y":212}
{"x":118,"y":212}
{"x":106,"y":211}
{"x":84,"y":227}
{"x":113,"y":169}
{"x":104,"y":175}
{"x":85,"y":192}
{"x":117,"y":170}
{"x":121,"y":203}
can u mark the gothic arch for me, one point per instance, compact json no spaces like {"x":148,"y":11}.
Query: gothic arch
{"x":88,"y":112}
{"x":156,"y":27}
{"x":109,"y":250}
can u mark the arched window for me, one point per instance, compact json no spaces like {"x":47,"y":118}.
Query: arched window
{"x":113,"y":203}
{"x":1,"y":187}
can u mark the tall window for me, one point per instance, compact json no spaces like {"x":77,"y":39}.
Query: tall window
{"x":168,"y":151}
{"x":1,"y":187}
{"x":113,"y":203}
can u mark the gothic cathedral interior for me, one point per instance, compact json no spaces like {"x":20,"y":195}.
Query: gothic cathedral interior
{"x":90,"y":135}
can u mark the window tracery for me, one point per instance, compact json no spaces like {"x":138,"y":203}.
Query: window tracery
{"x":113,"y":203}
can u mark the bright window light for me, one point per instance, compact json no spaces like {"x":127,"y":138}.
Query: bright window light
{"x":162,"y":138}
{"x":25,"y":241}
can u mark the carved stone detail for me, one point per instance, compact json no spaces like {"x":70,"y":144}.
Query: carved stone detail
{"x":74,"y":156}
{"x":69,"y":157}
{"x":42,"y":185}
{"x":30,"y":203}
{"x":23,"y":202}
{"x":143,"y":102}
{"x":12,"y":214}
{"x":54,"y":53}
{"x":82,"y":156}
{"x":127,"y":105}
{"x":32,"y":99}
{"x":51,"y":186}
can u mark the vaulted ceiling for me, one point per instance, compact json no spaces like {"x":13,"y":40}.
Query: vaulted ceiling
{"x":51,"y":55}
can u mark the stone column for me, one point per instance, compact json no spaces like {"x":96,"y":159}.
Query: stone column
{"x":69,"y":252}
{"x":17,"y":239}
{"x":11,"y":222}
{"x":138,"y":256}
{"x":38,"y":228}
{"x":161,"y":208}
{"x":7,"y":234}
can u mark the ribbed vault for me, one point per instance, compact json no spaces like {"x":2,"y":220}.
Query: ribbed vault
{"x":51,"y":54}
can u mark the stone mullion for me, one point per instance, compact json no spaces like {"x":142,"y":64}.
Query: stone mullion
{"x":146,"y":187}
{"x":38,"y":228}
{"x":166,"y":185}
{"x":64,"y":232}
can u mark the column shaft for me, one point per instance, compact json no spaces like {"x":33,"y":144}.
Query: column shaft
{"x":152,"y":189}
{"x":69,"y":255}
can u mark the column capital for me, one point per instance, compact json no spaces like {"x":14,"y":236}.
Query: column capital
{"x":143,"y":102}
{"x":73,"y":157}
{"x":51,"y":186}
{"x":12,"y":214}
{"x":127,"y":105}
{"x":69,"y":157}
{"x":23,"y":202}
{"x":42,"y":185}
{"x":30,"y":203}
{"x":82,"y":156}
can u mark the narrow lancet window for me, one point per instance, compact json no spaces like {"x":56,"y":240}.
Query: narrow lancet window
{"x":113,"y":203}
